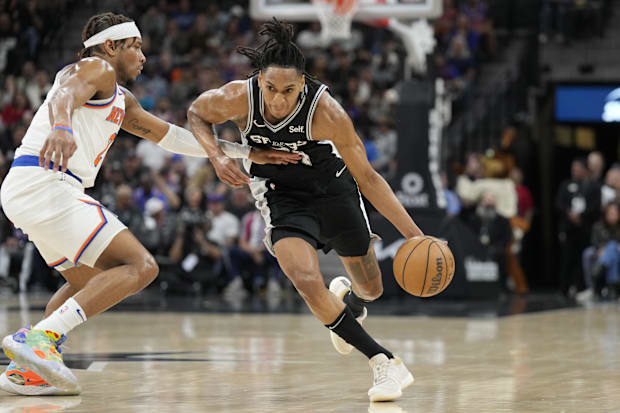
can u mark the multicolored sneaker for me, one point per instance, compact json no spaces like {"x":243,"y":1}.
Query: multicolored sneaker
{"x":340,"y":286}
{"x":19,"y":380}
{"x":38,"y":350}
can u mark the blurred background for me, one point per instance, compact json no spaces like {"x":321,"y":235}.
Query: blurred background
{"x":502,"y":139}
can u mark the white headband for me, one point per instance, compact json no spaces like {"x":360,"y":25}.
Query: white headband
{"x":116,"y":32}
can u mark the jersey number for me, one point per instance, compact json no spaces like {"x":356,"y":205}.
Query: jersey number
{"x":101,"y":155}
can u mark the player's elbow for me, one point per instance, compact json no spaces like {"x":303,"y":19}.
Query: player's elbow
{"x":192,"y":112}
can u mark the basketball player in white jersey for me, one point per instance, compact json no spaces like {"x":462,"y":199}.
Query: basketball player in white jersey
{"x":43,"y":194}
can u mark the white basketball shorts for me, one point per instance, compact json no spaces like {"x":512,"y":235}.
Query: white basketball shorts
{"x":67,"y":226}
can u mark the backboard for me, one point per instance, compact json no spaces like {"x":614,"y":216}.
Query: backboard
{"x":303,"y":10}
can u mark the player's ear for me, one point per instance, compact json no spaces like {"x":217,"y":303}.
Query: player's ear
{"x":110,"y":47}
{"x":303,"y":80}
{"x":260,"y":79}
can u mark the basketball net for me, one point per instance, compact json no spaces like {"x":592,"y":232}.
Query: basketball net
{"x":335,"y":17}
{"x":418,"y":39}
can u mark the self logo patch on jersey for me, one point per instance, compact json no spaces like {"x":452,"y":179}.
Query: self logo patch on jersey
{"x":116,"y":115}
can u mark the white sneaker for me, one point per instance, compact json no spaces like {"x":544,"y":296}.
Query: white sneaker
{"x":585,"y":296}
{"x":341,"y":286}
{"x":390,"y":378}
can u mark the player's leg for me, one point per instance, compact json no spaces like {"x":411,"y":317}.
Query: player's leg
{"x":299,"y":261}
{"x":363,"y":287}
{"x":366,"y":282}
{"x":20,"y":380}
{"x":365,"y":272}
{"x":76,"y":277}
{"x":127,"y":268}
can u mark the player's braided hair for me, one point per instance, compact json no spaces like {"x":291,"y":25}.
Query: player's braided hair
{"x":277,"y":50}
{"x":96,"y":24}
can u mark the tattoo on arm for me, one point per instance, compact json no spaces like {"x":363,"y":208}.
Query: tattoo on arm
{"x":133,"y":123}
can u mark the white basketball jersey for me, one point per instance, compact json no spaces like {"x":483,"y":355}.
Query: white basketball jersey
{"x":94,"y":125}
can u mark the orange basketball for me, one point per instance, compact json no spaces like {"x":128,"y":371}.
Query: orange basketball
{"x":424,"y":266}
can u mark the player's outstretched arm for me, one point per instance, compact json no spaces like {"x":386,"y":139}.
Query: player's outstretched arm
{"x":175,"y":139}
{"x":87,"y":78}
{"x":331,"y":122}
{"x":230,"y":102}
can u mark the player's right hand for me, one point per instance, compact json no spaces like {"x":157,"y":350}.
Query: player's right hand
{"x":229,"y":172}
{"x":272,"y":156}
{"x":58,"y":147}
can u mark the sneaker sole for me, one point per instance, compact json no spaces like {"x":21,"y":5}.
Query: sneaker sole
{"x":56,"y":374}
{"x":391,"y":397}
{"x":10,"y":387}
{"x":385,"y":398}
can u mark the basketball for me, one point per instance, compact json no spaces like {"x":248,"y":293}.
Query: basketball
{"x":424,"y":266}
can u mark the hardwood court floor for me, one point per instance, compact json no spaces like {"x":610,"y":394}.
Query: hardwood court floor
{"x":556,"y":361}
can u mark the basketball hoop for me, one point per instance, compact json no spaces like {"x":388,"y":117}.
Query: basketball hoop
{"x":335,"y":17}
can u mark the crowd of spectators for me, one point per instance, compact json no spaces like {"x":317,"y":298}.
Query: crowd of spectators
{"x":588,"y":203}
{"x":465,"y":37}
{"x":205,"y":235}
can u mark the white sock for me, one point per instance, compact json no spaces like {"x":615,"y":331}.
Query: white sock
{"x":63,"y":319}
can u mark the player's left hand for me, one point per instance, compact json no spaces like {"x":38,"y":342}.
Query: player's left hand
{"x":271,"y":156}
{"x":58,"y":148}
{"x":228,"y":171}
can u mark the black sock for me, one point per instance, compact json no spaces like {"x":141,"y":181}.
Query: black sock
{"x":353,"y":333}
{"x":355,"y":303}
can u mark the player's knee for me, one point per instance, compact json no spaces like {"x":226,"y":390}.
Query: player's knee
{"x":372,"y":291}
{"x":146,"y":270}
{"x":307,"y":283}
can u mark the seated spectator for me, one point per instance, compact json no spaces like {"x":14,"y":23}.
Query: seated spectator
{"x":609,"y":190}
{"x":601,"y":260}
{"x":14,"y":112}
{"x":240,"y":202}
{"x":198,"y":260}
{"x":156,"y":228}
{"x":596,"y":166}
{"x":453,"y":203}
{"x":493,"y":231}
{"x":127,"y":211}
{"x":385,"y":139}
{"x":477,"y":12}
{"x":252,"y":266}
{"x":224,"y":225}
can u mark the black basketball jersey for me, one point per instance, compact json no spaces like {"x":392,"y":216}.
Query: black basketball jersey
{"x":320,"y":159}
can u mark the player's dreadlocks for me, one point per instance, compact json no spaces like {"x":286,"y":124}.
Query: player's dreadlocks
{"x":97,"y":24}
{"x":277,"y":50}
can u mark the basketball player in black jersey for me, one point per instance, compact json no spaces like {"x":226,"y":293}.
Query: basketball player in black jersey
{"x":315,"y":203}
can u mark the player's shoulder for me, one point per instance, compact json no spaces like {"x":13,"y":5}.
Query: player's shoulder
{"x":129,"y":97}
{"x":234,"y":90}
{"x":95,"y":66}
{"x":329,"y":111}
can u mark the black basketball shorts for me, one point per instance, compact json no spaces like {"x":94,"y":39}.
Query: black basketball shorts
{"x":333,"y":219}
